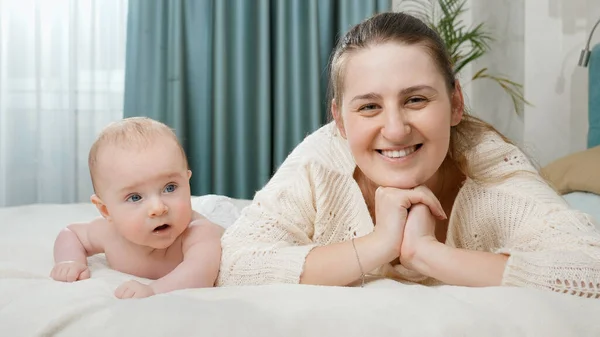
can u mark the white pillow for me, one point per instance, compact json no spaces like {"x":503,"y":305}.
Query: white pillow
{"x":219,"y":209}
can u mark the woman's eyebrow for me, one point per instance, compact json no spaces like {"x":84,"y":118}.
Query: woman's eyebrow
{"x":403,"y":92}
{"x":368,"y":96}
{"x":416,"y":88}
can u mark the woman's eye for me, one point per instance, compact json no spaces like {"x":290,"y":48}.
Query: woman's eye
{"x":170,"y":188}
{"x":134,"y":198}
{"x":416,"y":100}
{"x":368,"y":107}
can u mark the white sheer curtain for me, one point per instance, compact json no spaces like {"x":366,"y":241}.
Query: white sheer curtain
{"x":61,"y":80}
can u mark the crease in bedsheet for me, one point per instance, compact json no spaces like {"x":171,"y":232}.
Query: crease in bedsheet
{"x":478,"y":315}
{"x":54,"y":327}
{"x":20,"y":274}
{"x":464,"y":316}
{"x":538,"y":309}
{"x":57,"y":310}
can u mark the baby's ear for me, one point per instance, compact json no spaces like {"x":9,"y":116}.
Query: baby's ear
{"x":100,"y":206}
{"x":189,"y":174}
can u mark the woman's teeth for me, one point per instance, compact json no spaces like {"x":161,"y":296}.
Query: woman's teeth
{"x":399,"y":153}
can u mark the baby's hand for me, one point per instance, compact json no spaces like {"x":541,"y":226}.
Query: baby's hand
{"x":133,"y":289}
{"x":70,"y":271}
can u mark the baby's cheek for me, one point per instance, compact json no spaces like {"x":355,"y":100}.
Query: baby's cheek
{"x":184,"y":210}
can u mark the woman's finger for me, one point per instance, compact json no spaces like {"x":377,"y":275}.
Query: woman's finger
{"x":423,"y":195}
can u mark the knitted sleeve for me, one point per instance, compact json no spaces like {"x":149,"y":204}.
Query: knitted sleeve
{"x":554,"y":248}
{"x":271,"y":239}
{"x":550,"y":246}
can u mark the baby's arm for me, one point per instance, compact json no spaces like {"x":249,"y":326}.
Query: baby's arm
{"x":72,"y":247}
{"x":201,"y":259}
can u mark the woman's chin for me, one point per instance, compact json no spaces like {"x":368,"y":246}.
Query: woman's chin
{"x":401,"y":184}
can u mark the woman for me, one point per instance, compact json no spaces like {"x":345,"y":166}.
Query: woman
{"x":370,"y":192}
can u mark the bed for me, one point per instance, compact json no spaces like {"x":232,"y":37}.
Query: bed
{"x":32,"y":304}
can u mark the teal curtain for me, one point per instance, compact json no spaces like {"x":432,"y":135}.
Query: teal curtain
{"x":241,"y":82}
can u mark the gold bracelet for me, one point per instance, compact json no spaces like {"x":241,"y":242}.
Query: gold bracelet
{"x":362,"y":273}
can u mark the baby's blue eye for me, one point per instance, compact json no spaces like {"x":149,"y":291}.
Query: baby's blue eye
{"x":170,"y":188}
{"x":134,"y":198}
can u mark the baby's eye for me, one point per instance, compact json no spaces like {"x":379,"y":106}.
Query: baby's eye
{"x":134,"y":198}
{"x":170,"y":188}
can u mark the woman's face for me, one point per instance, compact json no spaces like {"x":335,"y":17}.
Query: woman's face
{"x":396,"y":114}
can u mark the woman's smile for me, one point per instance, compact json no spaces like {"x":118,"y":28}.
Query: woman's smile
{"x":400,"y":154}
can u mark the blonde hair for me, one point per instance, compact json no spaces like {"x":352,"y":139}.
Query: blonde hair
{"x":132,"y":132}
{"x":406,"y":29}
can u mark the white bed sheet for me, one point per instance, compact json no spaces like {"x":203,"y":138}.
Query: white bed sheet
{"x":31,"y":304}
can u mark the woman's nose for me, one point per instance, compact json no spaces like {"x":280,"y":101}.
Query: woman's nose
{"x":396,"y":127}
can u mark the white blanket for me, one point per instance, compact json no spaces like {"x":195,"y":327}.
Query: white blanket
{"x":32,"y":304}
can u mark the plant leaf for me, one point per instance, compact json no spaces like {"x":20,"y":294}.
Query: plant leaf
{"x":465,"y":45}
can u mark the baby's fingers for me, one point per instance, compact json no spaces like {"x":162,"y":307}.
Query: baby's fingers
{"x":125,"y":290}
{"x":127,"y":293}
{"x":120,"y":291}
{"x":56,"y":274}
{"x":84,"y":274}
{"x":72,"y":273}
{"x":69,"y":271}
{"x":64,"y":273}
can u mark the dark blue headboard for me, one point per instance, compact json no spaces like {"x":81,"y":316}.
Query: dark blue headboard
{"x":594,"y":98}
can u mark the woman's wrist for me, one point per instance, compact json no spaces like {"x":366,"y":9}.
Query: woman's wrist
{"x":456,"y":266}
{"x":342,"y":263}
{"x":421,"y":258}
{"x":387,"y":251}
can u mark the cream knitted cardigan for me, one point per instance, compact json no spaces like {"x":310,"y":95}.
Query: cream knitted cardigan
{"x":313,"y":200}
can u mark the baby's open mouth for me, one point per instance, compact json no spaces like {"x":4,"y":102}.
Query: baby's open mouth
{"x":161,"y":228}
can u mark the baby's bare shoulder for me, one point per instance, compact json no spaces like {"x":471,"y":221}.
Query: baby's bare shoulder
{"x":201,"y":231}
{"x":94,"y":234}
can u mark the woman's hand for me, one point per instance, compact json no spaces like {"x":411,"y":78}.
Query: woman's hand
{"x":391,"y":214}
{"x":424,"y":254}
{"x":419,"y":231}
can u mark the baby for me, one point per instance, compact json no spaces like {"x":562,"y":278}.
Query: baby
{"x":148,"y":229}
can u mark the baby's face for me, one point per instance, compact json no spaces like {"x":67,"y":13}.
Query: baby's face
{"x":146,"y":192}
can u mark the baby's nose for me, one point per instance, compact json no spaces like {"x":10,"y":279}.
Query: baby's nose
{"x":158,"y":208}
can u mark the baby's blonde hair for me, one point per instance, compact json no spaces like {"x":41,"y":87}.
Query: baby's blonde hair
{"x":130,"y":132}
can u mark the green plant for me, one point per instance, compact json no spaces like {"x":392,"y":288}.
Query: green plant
{"x":465,"y":44}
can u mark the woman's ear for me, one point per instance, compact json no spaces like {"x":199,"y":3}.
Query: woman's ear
{"x":337,"y":116}
{"x":458,"y":104}
{"x":100,"y":206}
